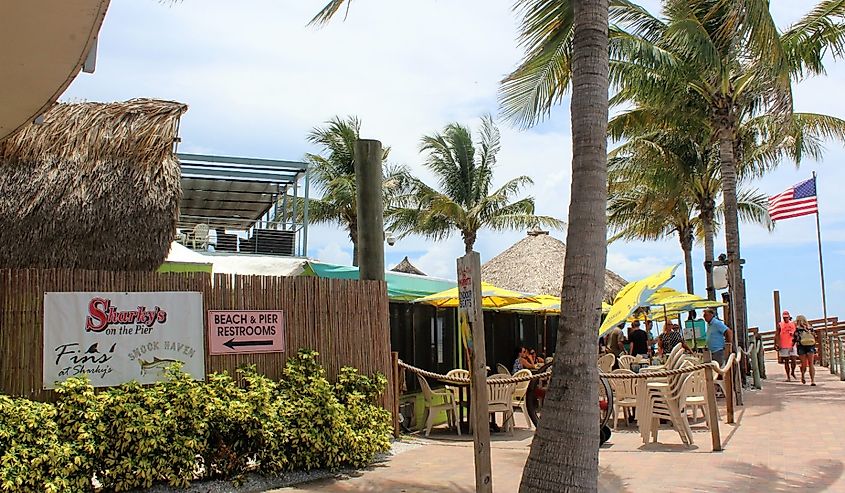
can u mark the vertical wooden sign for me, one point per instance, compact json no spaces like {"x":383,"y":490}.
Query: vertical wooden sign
{"x":472,"y":330}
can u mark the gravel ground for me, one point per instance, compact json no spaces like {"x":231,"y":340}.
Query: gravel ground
{"x":256,"y":483}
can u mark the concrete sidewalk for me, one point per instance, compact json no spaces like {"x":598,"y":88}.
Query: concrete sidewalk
{"x":788,"y":437}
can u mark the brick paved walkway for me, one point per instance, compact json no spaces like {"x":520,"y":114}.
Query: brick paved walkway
{"x":788,"y":437}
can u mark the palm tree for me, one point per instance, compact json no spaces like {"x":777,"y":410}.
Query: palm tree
{"x":643,"y":211}
{"x":333,"y":174}
{"x":727,"y":57}
{"x":656,"y":187}
{"x":564,"y":453}
{"x":465,"y":203}
{"x":566,"y":41}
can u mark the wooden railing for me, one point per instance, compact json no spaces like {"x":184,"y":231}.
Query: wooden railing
{"x":834,"y":327}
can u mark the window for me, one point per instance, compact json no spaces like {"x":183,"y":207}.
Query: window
{"x":437,"y":337}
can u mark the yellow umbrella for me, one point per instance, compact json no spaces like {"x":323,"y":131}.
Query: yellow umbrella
{"x":491,"y":297}
{"x":545,"y":304}
{"x":635,"y":295}
{"x":673,"y":303}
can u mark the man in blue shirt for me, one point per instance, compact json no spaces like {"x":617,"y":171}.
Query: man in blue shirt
{"x":718,"y":336}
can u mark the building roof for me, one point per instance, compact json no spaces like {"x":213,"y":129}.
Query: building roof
{"x":535,"y":265}
{"x":37,"y":68}
{"x":407,"y":267}
{"x":95,"y":186}
{"x":233,"y":191}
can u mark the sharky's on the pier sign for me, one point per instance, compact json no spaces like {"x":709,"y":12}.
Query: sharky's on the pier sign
{"x":114,"y":338}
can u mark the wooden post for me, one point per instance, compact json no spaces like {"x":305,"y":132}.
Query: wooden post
{"x":472,"y":318}
{"x":833,"y":360}
{"x":761,"y":357}
{"x":777,"y":324}
{"x":397,"y":391}
{"x":368,"y":193}
{"x":841,"y":358}
{"x":755,"y":364}
{"x":728,"y":380}
{"x":712,"y":410}
{"x":821,"y":335}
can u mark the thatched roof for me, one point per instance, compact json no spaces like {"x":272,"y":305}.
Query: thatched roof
{"x":95,"y":186}
{"x":407,"y":267}
{"x":535,"y":265}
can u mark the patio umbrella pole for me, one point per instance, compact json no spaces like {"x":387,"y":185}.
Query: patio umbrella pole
{"x":545,"y":334}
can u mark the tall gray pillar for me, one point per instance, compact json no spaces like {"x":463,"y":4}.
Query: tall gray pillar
{"x":368,"y":183}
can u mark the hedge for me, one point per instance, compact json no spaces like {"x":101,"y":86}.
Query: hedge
{"x":179,"y":430}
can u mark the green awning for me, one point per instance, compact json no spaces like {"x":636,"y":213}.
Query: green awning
{"x":169,"y":266}
{"x":400,"y":286}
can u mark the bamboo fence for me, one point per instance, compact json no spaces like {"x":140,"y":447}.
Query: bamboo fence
{"x":345,"y":321}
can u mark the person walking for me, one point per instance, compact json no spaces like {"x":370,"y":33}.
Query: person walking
{"x":784,"y":340}
{"x":669,"y":338}
{"x":805,"y":340}
{"x":718,"y":336}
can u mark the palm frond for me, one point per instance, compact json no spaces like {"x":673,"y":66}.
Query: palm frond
{"x":528,"y":94}
{"x":328,"y":12}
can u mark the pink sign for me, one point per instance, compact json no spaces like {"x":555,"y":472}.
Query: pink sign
{"x":245,"y":331}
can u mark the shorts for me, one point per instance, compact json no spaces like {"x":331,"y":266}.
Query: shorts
{"x":787,"y":352}
{"x":802,"y":350}
{"x":718,"y":357}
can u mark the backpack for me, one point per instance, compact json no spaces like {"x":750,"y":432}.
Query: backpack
{"x":806,"y":338}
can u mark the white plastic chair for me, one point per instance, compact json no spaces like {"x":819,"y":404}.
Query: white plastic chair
{"x":500,"y":400}
{"x":519,"y":391}
{"x":432,"y":408}
{"x":502,"y":370}
{"x":625,"y":361}
{"x":661,"y":399}
{"x":606,"y":362}
{"x":200,"y":236}
{"x":624,"y":395}
{"x":456,"y":390}
{"x":693,"y":395}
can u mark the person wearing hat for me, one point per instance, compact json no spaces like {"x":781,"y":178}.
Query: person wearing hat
{"x":719,"y":336}
{"x":786,"y":346}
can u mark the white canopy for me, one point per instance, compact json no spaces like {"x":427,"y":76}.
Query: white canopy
{"x":239,"y":264}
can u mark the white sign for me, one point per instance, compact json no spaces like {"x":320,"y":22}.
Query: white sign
{"x":114,"y":338}
{"x":465,"y":295}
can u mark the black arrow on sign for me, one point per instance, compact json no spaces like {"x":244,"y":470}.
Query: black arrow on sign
{"x":232,"y":343}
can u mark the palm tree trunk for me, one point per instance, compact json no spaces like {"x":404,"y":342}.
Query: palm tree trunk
{"x":685,"y":236}
{"x":728,"y":170}
{"x":469,"y":240}
{"x":353,"y":236}
{"x":707,"y":225}
{"x":564,"y":453}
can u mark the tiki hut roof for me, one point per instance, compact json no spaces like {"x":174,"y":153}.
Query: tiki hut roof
{"x":95,"y":186}
{"x":535,"y":265}
{"x":407,"y":267}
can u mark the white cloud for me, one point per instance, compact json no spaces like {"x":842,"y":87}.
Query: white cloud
{"x":407,"y":69}
{"x":334,"y":254}
{"x":438,"y":260}
{"x":633,"y":268}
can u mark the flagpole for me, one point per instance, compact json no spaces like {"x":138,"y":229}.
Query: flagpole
{"x":821,"y":262}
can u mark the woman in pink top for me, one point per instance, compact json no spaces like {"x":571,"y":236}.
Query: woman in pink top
{"x":786,"y":346}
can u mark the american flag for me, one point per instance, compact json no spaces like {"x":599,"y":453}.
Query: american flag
{"x":797,"y":200}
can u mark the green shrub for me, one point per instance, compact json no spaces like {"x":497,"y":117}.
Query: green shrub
{"x":232,"y":428}
{"x":151,"y":434}
{"x":33,"y":457}
{"x":180,"y":430}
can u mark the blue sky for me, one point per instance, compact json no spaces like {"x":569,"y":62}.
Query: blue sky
{"x":256,"y":80}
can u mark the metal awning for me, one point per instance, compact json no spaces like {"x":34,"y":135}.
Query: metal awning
{"x":234,"y":191}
